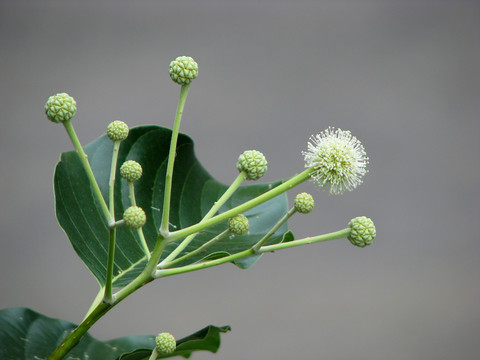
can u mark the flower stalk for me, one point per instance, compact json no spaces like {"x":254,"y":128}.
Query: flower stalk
{"x":213,"y":210}
{"x":249,"y":252}
{"x":86,"y":166}
{"x":273,"y":230}
{"x":112,"y":229}
{"x":280,"y":189}
{"x":171,"y":161}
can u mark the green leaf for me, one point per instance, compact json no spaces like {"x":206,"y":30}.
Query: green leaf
{"x":194,"y":192}
{"x":28,"y":335}
{"x":207,"y":339}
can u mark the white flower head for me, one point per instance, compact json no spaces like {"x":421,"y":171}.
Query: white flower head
{"x":337,"y":158}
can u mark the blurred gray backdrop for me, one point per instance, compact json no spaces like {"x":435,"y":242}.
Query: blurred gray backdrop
{"x":402,"y":75}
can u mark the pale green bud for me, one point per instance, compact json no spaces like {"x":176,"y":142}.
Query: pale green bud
{"x":362,"y":231}
{"x":60,"y":107}
{"x":304,"y":203}
{"x":238,"y":224}
{"x":253,"y":163}
{"x":117,"y":130}
{"x":131,"y":170}
{"x":134,"y":217}
{"x":165,"y":343}
{"x":183,"y":70}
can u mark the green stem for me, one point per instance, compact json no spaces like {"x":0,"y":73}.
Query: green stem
{"x":171,"y":161}
{"x":75,"y":336}
{"x":112,"y":230}
{"x":102,"y":308}
{"x":143,"y":242}
{"x":289,"y":184}
{"x":218,"y":204}
{"x":147,"y":274}
{"x":131,"y":193}
{"x":308,"y":240}
{"x":199,"y":249}
{"x":111,"y":182}
{"x":98,"y":299}
{"x":154,"y":355}
{"x":86,"y":165}
{"x":111,"y":254}
{"x":268,"y":248}
{"x":274,"y":229}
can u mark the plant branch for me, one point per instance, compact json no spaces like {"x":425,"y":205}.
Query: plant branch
{"x":274,"y":229}
{"x":199,"y":249}
{"x":218,"y":204}
{"x":73,"y":338}
{"x":289,"y":184}
{"x":242,"y":254}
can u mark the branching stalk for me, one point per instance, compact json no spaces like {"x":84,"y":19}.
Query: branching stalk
{"x":274,"y":229}
{"x":268,"y":248}
{"x":289,"y":184}
{"x":73,"y":338}
{"x":218,"y":204}
{"x":200,"y":249}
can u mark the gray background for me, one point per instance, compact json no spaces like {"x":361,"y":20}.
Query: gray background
{"x":403,"y":76}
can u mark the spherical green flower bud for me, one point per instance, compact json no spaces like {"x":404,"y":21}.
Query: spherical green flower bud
{"x":60,"y":107}
{"x":304,"y":203}
{"x":253,"y":163}
{"x":117,"y":130}
{"x":131,"y":170}
{"x":183,"y":70}
{"x":165,"y":343}
{"x":362,"y":231}
{"x":135,"y":217}
{"x":238,"y":224}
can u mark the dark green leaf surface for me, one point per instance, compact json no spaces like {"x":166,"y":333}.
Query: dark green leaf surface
{"x":193,"y":193}
{"x":207,"y":339}
{"x":28,"y":335}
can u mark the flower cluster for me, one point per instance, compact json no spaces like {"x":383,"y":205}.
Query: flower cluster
{"x":334,"y":158}
{"x":337,"y":158}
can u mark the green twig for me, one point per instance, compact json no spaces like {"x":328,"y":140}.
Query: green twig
{"x":102,"y":308}
{"x":274,"y":229}
{"x":200,"y":249}
{"x":268,"y":248}
{"x":289,"y":184}
{"x":218,"y":204}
